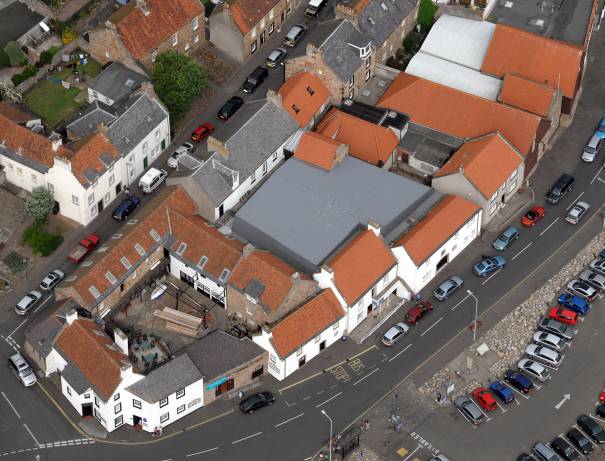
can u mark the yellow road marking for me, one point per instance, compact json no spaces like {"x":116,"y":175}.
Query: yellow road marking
{"x":402,"y":452}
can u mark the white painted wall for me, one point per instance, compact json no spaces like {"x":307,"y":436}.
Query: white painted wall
{"x":21,"y":175}
{"x":206,"y":284}
{"x":96,"y":96}
{"x":54,"y":362}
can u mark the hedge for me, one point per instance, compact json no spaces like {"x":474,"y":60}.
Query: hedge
{"x":28,"y":71}
{"x":41,"y":241}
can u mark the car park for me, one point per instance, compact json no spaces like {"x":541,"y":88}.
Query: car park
{"x":417,"y":312}
{"x":593,"y":279}
{"x":534,"y":369}
{"x":544,"y":453}
{"x":563,"y":315}
{"x":256,"y":401}
{"x":255,"y":79}
{"x":598,"y":265}
{"x":502,"y":391}
{"x":581,"y":289}
{"x":201,"y":133}
{"x":485,"y":399}
{"x":27,"y":302}
{"x":275,"y":57}
{"x":179,"y":152}
{"x":575,"y":303}
{"x":295,"y":35}
{"x":519,"y":381}
{"x":488,"y":265}
{"x":554,"y":342}
{"x":22,"y":370}
{"x":591,"y":428}
{"x":127,"y":206}
{"x":560,"y":188}
{"x":469,"y":410}
{"x":533,"y":215}
{"x":52,"y":279}
{"x":230,"y":107}
{"x":556,"y":328}
{"x":577,"y":212}
{"x":544,"y":354}
{"x":564,"y":449}
{"x":580,"y":441}
{"x":591,"y":149}
{"x":395,"y":333}
{"x":507,"y":237}
{"x":447,"y":288}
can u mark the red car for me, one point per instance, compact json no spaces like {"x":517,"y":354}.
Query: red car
{"x":485,"y":399}
{"x":202,"y":132}
{"x":563,"y":315}
{"x":602,"y":397}
{"x":417,"y":312}
{"x":533,"y":216}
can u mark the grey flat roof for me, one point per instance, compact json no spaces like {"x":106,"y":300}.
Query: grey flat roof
{"x":219,"y":352}
{"x":303,"y":214}
{"x":117,"y":81}
{"x":428,"y":145}
{"x":16,"y":19}
{"x":565,"y":20}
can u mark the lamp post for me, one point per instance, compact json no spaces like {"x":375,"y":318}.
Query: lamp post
{"x":476,"y":309}
{"x":323,"y":412}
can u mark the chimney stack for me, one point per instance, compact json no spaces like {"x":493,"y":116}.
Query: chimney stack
{"x":121,"y":340}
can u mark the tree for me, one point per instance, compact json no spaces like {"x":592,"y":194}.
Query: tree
{"x":426,"y":14}
{"x":39,"y":204}
{"x":178,"y":80}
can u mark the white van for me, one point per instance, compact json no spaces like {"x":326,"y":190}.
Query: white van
{"x":152,"y":180}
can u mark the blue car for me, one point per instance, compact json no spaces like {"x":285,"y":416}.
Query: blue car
{"x":488,"y":265}
{"x":519,"y":381}
{"x":575,"y":303}
{"x":602,"y":254}
{"x":126,"y":207}
{"x":502,"y":391}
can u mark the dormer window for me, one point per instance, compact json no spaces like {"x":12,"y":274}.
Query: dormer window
{"x":310,"y":91}
{"x":295,"y":108}
{"x":365,"y":51}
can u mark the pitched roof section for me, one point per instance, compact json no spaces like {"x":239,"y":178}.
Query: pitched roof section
{"x":486,"y":162}
{"x":379,"y":18}
{"x":317,"y":150}
{"x":141,"y":32}
{"x":305,"y":323}
{"x":367,"y":141}
{"x":526,"y":94}
{"x":88,"y":121}
{"x":12,"y":112}
{"x":117,"y":81}
{"x":248,"y":13}
{"x":437,"y":227}
{"x":302,"y":95}
{"x":85,"y":345}
{"x":92,"y":157}
{"x":467,"y":116}
{"x":360,"y":264}
{"x":540,"y":59}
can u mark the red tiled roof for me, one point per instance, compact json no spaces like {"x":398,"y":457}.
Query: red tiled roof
{"x":458,"y":113}
{"x":360,"y":264}
{"x":141,"y":33}
{"x":14,"y":113}
{"x":87,"y":155}
{"x":295,"y":92}
{"x":84,"y":344}
{"x":527,"y":95}
{"x":534,"y":57}
{"x":367,"y":141}
{"x":437,"y":227}
{"x":248,"y":13}
{"x":306,"y":323}
{"x":487,"y":162}
{"x":317,"y":150}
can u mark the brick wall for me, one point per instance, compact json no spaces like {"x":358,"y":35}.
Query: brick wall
{"x":279,"y":13}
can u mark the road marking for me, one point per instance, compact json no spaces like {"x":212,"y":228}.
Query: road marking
{"x":411,"y":453}
{"x":526,"y":247}
{"x":201,"y":452}
{"x":9,"y":402}
{"x":288,"y":420}
{"x":333,"y":386}
{"x":320,"y":392}
{"x":461,"y":301}
{"x":526,"y":397}
{"x":326,"y":401}
{"x":246,"y":438}
{"x":501,"y":407}
{"x":30,"y":433}
{"x":597,"y":175}
{"x":400,"y":352}
{"x":429,"y":328}
{"x":602,"y":180}
{"x":596,"y":417}
{"x":366,"y":376}
{"x":19,"y":326}
{"x":490,"y":277}
{"x":306,"y":398}
{"x":289,"y":404}
{"x":574,"y":202}
{"x":549,"y":226}
{"x":168,"y":459}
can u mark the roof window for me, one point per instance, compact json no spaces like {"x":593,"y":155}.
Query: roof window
{"x":154,"y":234}
{"x":94,"y":291}
{"x":140,"y":249}
{"x":295,"y":108}
{"x":310,"y":91}
{"x":125,"y":262}
{"x":203,"y":261}
{"x":109,"y":276}
{"x":181,"y":249}
{"x":224,"y":275}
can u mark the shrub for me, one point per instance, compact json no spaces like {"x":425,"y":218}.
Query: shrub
{"x":68,"y":35}
{"x":28,"y":72}
{"x":4,"y":60}
{"x":15,"y":262}
{"x":47,"y":56}
{"x":16,"y":57}
{"x":40,"y":240}
{"x":426,"y":14}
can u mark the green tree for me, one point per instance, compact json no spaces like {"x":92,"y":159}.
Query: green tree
{"x":426,"y":14}
{"x":178,"y":80}
{"x":39,"y":204}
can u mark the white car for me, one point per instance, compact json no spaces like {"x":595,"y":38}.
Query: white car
{"x":577,"y":212}
{"x":395,"y":333}
{"x":549,"y":340}
{"x":183,"y":149}
{"x":598,"y":265}
{"x":593,"y":279}
{"x":544,"y":354}
{"x":534,"y":369}
{"x":581,"y":289}
{"x":52,"y":279}
{"x":27,"y":302}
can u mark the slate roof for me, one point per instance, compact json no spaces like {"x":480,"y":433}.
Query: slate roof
{"x":165,"y":380}
{"x":379,"y":22}
{"x":76,"y":378}
{"x":17,"y":19}
{"x":42,"y":335}
{"x":87,"y":122}
{"x":117,"y":81}
{"x":428,"y":145}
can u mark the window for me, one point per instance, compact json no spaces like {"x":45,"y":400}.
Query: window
{"x":107,"y":54}
{"x":493,"y":197}
{"x":299,"y":351}
{"x":258,"y":371}
{"x":351,"y":94}
{"x":318,"y":338}
{"x":117,"y":408}
{"x":335,"y":326}
{"x":368,"y":75}
{"x":265,"y":167}
{"x":125,"y":262}
{"x":253,"y":177}
{"x":109,"y":276}
{"x":493,"y":209}
{"x":513,"y":174}
{"x":352,"y":81}
{"x":175,"y":39}
{"x":154,"y":55}
{"x":136,"y":403}
{"x":164,"y":417}
{"x":145,"y":147}
{"x":272,"y":358}
{"x":157,"y":134}
{"x":253,"y":47}
{"x":93,"y":211}
{"x":107,"y":197}
{"x":195,"y":24}
{"x":512,"y":187}
{"x":116,"y":397}
{"x":254,"y":32}
{"x":91,"y":199}
{"x":119,"y":421}
{"x":51,"y":188}
{"x":196,"y":39}
{"x":86,"y":396}
{"x":140,"y":249}
{"x":180,"y":393}
{"x":368,"y":62}
{"x":295,"y":108}
{"x":186,"y":46}
{"x":96,"y":401}
{"x":34,"y":178}
{"x":164,"y":402}
{"x":68,"y":390}
{"x":271,"y":28}
{"x":180,"y":409}
{"x":154,"y":234}
{"x":75,"y":200}
{"x":181,"y":249}
{"x":202,"y":262}
{"x":310,"y":91}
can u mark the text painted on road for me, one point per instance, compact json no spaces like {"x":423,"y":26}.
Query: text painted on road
{"x":340,"y":373}
{"x":424,"y":443}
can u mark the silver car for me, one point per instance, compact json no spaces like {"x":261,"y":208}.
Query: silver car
{"x":52,"y":279}
{"x":469,"y":409}
{"x":581,"y":289}
{"x":598,"y":265}
{"x":275,"y":57}
{"x":592,"y":278}
{"x":27,"y":302}
{"x":507,"y":237}
{"x":22,"y":370}
{"x":554,"y":342}
{"x":534,"y":369}
{"x":395,"y":333}
{"x":294,"y":35}
{"x":439,"y":457}
{"x":556,"y":328}
{"x":577,"y":212}
{"x":443,"y":291}
{"x":183,"y":149}
{"x":544,"y":354}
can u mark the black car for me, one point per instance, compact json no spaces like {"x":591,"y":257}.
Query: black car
{"x":525,"y":457}
{"x":563,"y":448}
{"x":126,"y":207}
{"x":230,"y":107}
{"x":580,"y":441}
{"x":601,"y":410}
{"x":592,"y":428}
{"x":255,"y":79}
{"x":559,"y":189}
{"x":256,"y":401}
{"x":519,"y":381}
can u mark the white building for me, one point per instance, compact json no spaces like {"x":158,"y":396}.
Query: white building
{"x":114,"y":84}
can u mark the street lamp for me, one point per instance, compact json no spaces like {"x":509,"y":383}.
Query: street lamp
{"x":476,"y":308}
{"x":323,"y":412}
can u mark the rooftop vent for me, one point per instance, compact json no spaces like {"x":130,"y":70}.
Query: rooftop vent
{"x":383,"y":6}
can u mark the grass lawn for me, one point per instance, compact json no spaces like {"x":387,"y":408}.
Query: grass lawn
{"x":52,"y":102}
{"x":92,"y":68}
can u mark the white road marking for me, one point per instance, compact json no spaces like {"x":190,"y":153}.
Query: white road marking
{"x":602,"y":180}
{"x":400,"y":352}
{"x":501,"y":407}
{"x":9,"y":402}
{"x":596,"y":417}
{"x":597,"y":175}
{"x":429,"y":328}
{"x":490,"y":277}
{"x":306,"y":398}
{"x":549,"y":226}
{"x":320,"y":392}
{"x":526,"y":397}
{"x":463,"y":299}
{"x":41,"y":304}
{"x":326,"y":401}
{"x":366,"y":376}
{"x":19,"y":326}
{"x":574,"y":202}
{"x":525,"y":248}
{"x":201,"y":452}
{"x":246,"y":438}
{"x":169,"y":459}
{"x":413,"y":451}
{"x":30,"y":433}
{"x":288,"y":420}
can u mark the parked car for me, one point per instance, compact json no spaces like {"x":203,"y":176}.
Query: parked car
{"x":549,"y":340}
{"x":395,"y":333}
{"x":600,"y":411}
{"x":230,"y":107}
{"x":544,"y":354}
{"x":525,"y":457}
{"x":502,"y":391}
{"x":22,"y":370}
{"x":577,"y":212}
{"x":256,"y":401}
{"x":560,"y":188}
{"x":518,"y":380}
{"x":85,"y":246}
{"x":575,"y":303}
{"x":488,"y":265}
{"x":598,"y":265}
{"x":581,"y":289}
{"x":592,"y":147}
{"x":556,"y":328}
{"x":439,"y":457}
{"x":563,"y":315}
{"x":152,"y":179}
{"x":534,"y":369}
{"x":127,"y":206}
{"x":507,"y":237}
{"x":544,"y":453}
{"x":593,"y":429}
{"x":447,"y":288}
{"x":52,"y":279}
{"x":255,"y":79}
{"x":295,"y":35}
{"x":183,"y":149}
{"x":485,"y":399}
{"x":580,"y":441}
{"x":417,"y":312}
{"x":27,"y":302}
{"x":533,"y":215}
{"x":593,"y":279}
{"x":469,"y":410}
{"x":201,"y":132}
{"x":275,"y":57}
